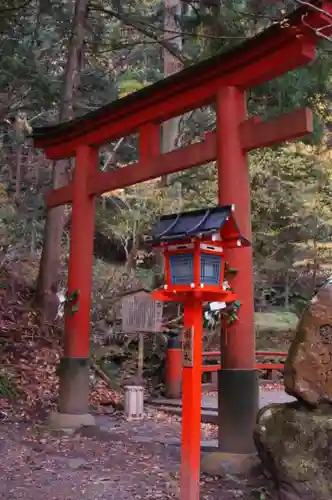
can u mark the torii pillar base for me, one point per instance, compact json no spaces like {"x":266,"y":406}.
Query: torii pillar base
{"x":70,"y":422}
{"x":73,"y":404}
{"x":238,"y":401}
{"x":218,"y":463}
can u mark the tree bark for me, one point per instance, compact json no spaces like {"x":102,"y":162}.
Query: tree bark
{"x":140,"y":363}
{"x":47,"y":280}
{"x":18,"y":173}
{"x":172,"y":65}
{"x":170,"y":128}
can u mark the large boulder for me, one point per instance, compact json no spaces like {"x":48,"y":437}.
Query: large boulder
{"x":294,"y":443}
{"x":308,"y":367}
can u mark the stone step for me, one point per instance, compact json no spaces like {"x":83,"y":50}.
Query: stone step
{"x":207,"y":416}
{"x":177,"y":403}
{"x":206,"y":445}
{"x":210,"y":403}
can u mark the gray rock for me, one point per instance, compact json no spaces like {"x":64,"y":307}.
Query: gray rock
{"x":295,"y":445}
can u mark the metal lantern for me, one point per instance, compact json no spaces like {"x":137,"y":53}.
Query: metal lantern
{"x":193,"y":245}
{"x":194,"y":265}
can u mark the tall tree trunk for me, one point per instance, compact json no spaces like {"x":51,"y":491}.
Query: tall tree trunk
{"x":172,"y":65}
{"x":287,"y":290}
{"x":18,"y":173}
{"x":173,"y":10}
{"x":50,"y":260}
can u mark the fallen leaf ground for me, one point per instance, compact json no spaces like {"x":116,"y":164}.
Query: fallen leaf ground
{"x":105,"y":463}
{"x":118,"y":460}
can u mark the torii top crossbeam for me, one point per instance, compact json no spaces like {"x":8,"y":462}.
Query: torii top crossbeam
{"x":281,"y":48}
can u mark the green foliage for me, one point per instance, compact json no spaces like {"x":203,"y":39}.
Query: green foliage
{"x":123,"y":52}
{"x":283,"y":214}
{"x":131,"y":222}
{"x":111,"y":370}
{"x":72,"y":303}
{"x":306,"y":86}
{"x":128,"y":86}
{"x":8,"y":388}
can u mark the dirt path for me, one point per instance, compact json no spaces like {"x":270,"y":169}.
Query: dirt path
{"x":106,"y":464}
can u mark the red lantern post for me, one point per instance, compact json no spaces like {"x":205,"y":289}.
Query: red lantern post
{"x":193,"y":244}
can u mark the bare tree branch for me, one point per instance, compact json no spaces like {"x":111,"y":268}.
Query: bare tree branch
{"x":8,"y":10}
{"x":140,"y":26}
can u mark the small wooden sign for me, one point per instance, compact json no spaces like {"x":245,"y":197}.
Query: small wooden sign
{"x":140,"y":313}
{"x":187,"y":343}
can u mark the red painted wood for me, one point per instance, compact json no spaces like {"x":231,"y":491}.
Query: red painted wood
{"x":258,"y":353}
{"x":210,"y":368}
{"x":278,"y":39}
{"x":269,"y":366}
{"x":234,"y":188}
{"x":259,"y":366}
{"x":254,"y":134}
{"x":175,"y":161}
{"x":191,"y":409}
{"x":253,"y":67}
{"x":291,"y":56}
{"x":203,"y":296}
{"x":283,"y":128}
{"x":321,"y":17}
{"x":130,"y":123}
{"x":176,"y":104}
{"x":173,"y":379}
{"x":149,"y":142}
{"x":60,"y":196}
{"x":77,"y":328}
{"x":282,"y":354}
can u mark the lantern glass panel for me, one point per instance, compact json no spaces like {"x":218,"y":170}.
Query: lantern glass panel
{"x":182,"y":268}
{"x":210,"y":269}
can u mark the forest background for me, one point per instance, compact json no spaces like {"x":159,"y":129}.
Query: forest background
{"x":63,"y":58}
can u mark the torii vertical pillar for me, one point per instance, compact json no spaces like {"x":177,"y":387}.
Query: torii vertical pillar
{"x":238,"y":390}
{"x":73,"y":407}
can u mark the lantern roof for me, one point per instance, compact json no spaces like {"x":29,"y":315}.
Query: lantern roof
{"x":208,"y":223}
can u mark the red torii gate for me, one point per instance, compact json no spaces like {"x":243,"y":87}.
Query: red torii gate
{"x":222,"y":79}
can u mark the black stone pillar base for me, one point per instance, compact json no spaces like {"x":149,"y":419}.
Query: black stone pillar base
{"x":74,"y":386}
{"x":238,"y":403}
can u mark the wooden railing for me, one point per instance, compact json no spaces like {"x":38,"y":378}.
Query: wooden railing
{"x":259,"y":366}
